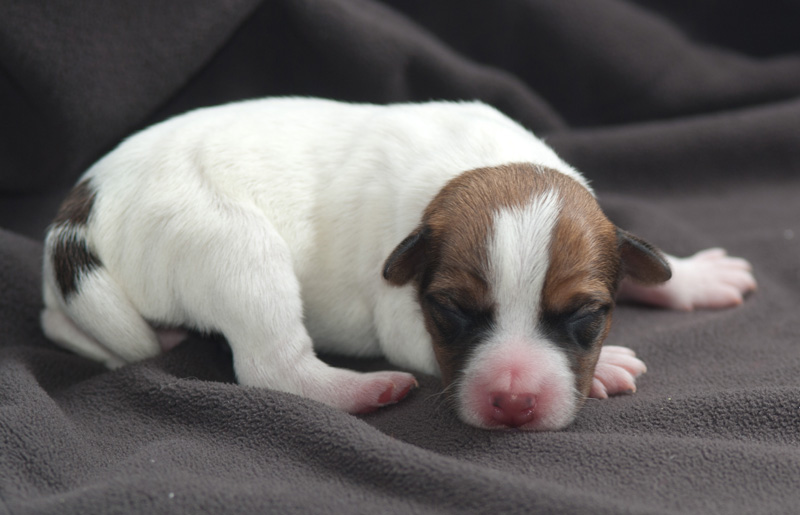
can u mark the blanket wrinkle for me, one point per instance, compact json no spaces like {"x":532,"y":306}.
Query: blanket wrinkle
{"x":116,"y":62}
{"x":684,"y":116}
{"x":626,"y":84}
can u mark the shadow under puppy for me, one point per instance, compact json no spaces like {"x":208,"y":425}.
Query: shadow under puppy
{"x":440,"y":235}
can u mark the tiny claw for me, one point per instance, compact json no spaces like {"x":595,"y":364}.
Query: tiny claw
{"x":598,"y":390}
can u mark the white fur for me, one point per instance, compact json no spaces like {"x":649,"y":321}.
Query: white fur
{"x":519,"y":256}
{"x":340,"y":184}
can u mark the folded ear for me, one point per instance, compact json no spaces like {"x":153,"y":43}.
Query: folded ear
{"x":407,"y":259}
{"x":642,"y":262}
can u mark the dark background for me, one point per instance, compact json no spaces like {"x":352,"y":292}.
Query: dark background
{"x":685,"y":116}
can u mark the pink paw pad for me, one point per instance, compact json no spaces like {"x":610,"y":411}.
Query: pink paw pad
{"x":168,"y":339}
{"x":385,"y":391}
{"x":395,"y":394}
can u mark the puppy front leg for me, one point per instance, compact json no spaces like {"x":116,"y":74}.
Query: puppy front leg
{"x":708,"y":279}
{"x":257,"y":307}
{"x":288,"y":363}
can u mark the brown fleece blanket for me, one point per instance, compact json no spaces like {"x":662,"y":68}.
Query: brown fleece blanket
{"x":686,"y":117}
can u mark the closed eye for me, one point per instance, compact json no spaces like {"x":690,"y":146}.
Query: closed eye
{"x":451,"y":319}
{"x":445,"y":307}
{"x":448,"y":317}
{"x":586,"y":323}
{"x":588,"y":312}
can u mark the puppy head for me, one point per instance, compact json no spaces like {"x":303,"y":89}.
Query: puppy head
{"x":516,"y":269}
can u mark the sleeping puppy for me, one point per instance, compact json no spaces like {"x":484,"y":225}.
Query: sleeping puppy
{"x":442,"y":236}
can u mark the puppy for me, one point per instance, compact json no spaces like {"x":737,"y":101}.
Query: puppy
{"x":442,"y":236}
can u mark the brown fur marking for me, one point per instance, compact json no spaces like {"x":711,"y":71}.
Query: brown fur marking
{"x":77,"y":207}
{"x":584,"y":258}
{"x":70,"y":254}
{"x":584,"y":268}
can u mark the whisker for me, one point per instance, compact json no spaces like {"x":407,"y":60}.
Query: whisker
{"x":441,"y":399}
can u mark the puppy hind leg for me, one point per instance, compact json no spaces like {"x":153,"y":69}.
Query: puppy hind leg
{"x":102,"y":310}
{"x":258,"y":308}
{"x":709,"y":279}
{"x":59,"y":328}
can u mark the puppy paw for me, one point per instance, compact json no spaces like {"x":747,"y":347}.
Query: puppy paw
{"x":709,"y":279}
{"x":356,"y":392}
{"x":390,"y":387}
{"x":616,"y":372}
{"x":347,"y":390}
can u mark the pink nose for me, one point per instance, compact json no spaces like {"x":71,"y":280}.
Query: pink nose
{"x":513,"y":409}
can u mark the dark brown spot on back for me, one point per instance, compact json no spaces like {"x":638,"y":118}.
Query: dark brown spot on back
{"x":71,"y":259}
{"x":70,"y":253}
{"x":77,"y":207}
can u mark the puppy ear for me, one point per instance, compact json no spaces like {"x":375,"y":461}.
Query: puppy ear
{"x":642,"y":262}
{"x":407,"y":259}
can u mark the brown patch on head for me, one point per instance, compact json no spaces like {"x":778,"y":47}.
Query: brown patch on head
{"x":459,"y":220}
{"x":582,"y":277}
{"x":447,"y":256}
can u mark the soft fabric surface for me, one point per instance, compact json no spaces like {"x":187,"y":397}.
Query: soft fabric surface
{"x":686,"y":117}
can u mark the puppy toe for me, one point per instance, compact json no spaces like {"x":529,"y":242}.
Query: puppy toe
{"x":382,"y":389}
{"x":615,"y":376}
{"x":617,"y":380}
{"x":598,"y":390}
{"x":614,"y":355}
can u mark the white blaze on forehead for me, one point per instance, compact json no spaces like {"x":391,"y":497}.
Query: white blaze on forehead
{"x":517,"y":359}
{"x":519,"y":256}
